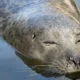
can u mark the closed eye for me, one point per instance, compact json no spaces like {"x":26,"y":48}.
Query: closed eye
{"x":78,"y":41}
{"x":49,"y":42}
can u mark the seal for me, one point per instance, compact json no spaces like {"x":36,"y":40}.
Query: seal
{"x":48,"y":31}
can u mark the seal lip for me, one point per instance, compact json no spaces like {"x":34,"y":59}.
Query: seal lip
{"x":73,"y":75}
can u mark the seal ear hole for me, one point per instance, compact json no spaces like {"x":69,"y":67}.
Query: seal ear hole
{"x":33,"y":35}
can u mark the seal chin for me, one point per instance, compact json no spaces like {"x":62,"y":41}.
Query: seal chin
{"x":63,"y":68}
{"x":57,"y":69}
{"x":73,"y":71}
{"x":49,"y":70}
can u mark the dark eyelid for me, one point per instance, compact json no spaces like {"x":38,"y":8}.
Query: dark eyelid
{"x":77,"y":41}
{"x":49,"y":42}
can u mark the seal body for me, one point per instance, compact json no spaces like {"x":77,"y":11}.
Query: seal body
{"x":44,"y":32}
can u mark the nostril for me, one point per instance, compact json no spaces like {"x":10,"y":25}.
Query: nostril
{"x":74,"y":57}
{"x":76,"y":60}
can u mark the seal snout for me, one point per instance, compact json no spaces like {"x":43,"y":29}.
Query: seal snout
{"x":74,"y":57}
{"x":73,"y":69}
{"x":76,"y":60}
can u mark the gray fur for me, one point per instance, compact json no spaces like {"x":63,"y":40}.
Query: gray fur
{"x":42,"y":31}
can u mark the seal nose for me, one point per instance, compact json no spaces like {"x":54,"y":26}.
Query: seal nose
{"x":74,"y":57}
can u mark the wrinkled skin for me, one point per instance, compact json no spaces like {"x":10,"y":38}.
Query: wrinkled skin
{"x":46,"y":34}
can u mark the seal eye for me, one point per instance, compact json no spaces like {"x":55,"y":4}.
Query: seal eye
{"x":78,"y":41}
{"x":49,"y":42}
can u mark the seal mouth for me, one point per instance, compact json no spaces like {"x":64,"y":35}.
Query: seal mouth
{"x":73,"y":71}
{"x":73,"y":75}
{"x":52,"y":70}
